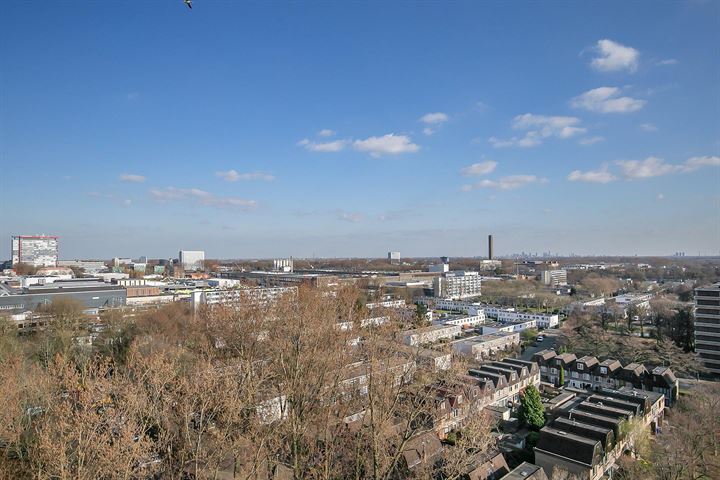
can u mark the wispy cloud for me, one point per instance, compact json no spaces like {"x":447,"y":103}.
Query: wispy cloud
{"x":352,"y":217}
{"x":434,"y":118}
{"x":650,"y":167}
{"x":538,"y":128}
{"x":482,"y":168}
{"x":655,"y":167}
{"x":202,"y":197}
{"x":326,"y":132}
{"x":131,"y":178}
{"x":694,"y":163}
{"x":607,"y":100}
{"x":506,"y":183}
{"x":591,"y":140}
{"x":324,"y":147}
{"x":389,"y":144}
{"x":648,"y":127}
{"x":612,"y":56}
{"x":132,"y":96}
{"x":667,"y":61}
{"x":592,"y":176}
{"x":234,"y":176}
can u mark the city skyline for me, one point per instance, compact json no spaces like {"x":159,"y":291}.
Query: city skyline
{"x":260,"y":131}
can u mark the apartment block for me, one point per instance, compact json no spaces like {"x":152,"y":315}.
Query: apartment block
{"x":35,"y":250}
{"x":707,"y":326}
{"x":457,"y":285}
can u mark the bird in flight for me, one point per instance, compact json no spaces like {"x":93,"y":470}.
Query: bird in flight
{"x":188,"y":3}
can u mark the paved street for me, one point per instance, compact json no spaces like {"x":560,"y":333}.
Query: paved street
{"x":550,"y":341}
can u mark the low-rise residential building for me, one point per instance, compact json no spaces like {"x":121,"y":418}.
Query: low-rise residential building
{"x":431,"y":334}
{"x":465,"y":321}
{"x":587,"y":439}
{"x":588,"y":373}
{"x":239,"y":296}
{"x":508,"y":327}
{"x":487,"y":346}
{"x":509,"y":314}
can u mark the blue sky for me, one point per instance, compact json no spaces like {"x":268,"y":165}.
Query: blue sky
{"x":259,"y":129}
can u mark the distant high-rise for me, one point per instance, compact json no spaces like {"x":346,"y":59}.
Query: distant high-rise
{"x":35,"y":250}
{"x":707,"y":326}
{"x":394,"y":257}
{"x":191,"y":259}
{"x":490,"y":247}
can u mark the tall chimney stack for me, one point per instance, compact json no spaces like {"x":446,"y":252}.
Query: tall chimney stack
{"x":490,"y":247}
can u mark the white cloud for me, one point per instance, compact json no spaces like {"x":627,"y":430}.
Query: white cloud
{"x":667,"y":61}
{"x":389,"y":144}
{"x":592,"y":176}
{"x":655,"y":167}
{"x":129,"y":177}
{"x":326,"y":132}
{"x":434,"y":118}
{"x":606,"y":100}
{"x":327,"y":147}
{"x":591,"y":140}
{"x":132,"y":96}
{"x":660,"y":196}
{"x":482,"y":168}
{"x":650,"y":167}
{"x":538,"y":128}
{"x":202,"y":197}
{"x":234,"y":176}
{"x":505,"y":183}
{"x":648,"y":127}
{"x":693,"y":163}
{"x":428,"y":131}
{"x":352,"y":217}
{"x":127,"y":202}
{"x":613,"y":56}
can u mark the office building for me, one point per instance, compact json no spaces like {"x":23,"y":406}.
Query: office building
{"x":191,"y":259}
{"x":394,"y":257}
{"x":707,"y":326}
{"x":35,"y":250}
{"x":457,"y":285}
{"x":554,"y":278}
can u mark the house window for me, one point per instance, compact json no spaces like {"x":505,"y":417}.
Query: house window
{"x":603,"y":370}
{"x":580,"y":366}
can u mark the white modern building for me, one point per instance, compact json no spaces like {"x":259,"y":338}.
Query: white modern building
{"x":35,"y":250}
{"x":457,"y":285}
{"x":464,"y":321}
{"x":394,"y":257}
{"x":239,"y":296}
{"x":554,"y":278}
{"x":510,"y":315}
{"x":508,"y":327}
{"x":191,"y":259}
{"x":424,"y":335}
{"x":484,"y":346}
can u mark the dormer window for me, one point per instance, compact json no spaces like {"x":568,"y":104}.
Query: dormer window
{"x":580,"y":366}
{"x":603,"y":370}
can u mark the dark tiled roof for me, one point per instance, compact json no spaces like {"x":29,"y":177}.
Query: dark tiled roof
{"x":605,"y":435}
{"x":569,"y":445}
{"x":526,"y":471}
